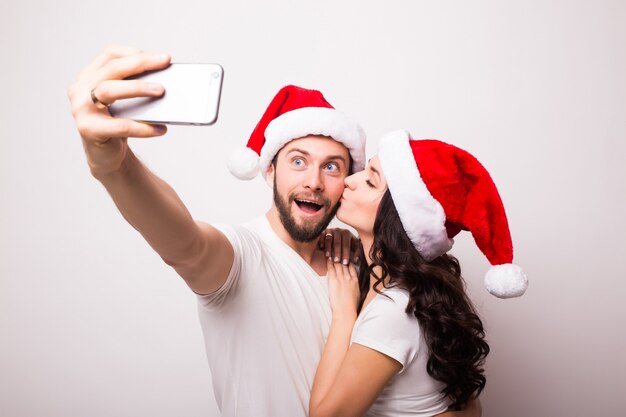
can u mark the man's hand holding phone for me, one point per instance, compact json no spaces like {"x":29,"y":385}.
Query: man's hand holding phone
{"x":126,"y":92}
{"x":104,"y":137}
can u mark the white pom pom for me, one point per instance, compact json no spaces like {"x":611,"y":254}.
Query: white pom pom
{"x":244,"y":163}
{"x":506,"y":281}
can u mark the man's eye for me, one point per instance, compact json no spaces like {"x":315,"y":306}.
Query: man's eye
{"x":298,"y":162}
{"x":331,"y":167}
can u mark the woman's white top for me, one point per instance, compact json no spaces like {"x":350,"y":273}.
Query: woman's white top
{"x":384,"y":326}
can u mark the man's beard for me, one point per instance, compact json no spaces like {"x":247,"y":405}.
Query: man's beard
{"x":304,"y":233}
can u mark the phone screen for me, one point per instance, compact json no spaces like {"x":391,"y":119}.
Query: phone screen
{"x":192,"y":96}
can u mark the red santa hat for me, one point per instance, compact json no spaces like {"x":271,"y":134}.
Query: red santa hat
{"x":439,"y":190}
{"x":296,"y":112}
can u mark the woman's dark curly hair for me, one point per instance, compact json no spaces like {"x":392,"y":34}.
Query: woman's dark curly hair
{"x":452,"y":330}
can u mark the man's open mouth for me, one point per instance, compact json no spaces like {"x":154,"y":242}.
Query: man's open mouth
{"x":308,"y":206}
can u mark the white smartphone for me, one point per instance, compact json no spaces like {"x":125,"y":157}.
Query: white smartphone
{"x":192,"y":96}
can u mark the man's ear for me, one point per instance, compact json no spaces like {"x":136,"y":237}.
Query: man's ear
{"x":269,"y":177}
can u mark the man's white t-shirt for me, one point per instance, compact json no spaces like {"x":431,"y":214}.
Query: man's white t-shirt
{"x":383,"y":325}
{"x":265,"y":329}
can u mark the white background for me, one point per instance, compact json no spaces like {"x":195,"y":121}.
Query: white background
{"x":93,"y":323}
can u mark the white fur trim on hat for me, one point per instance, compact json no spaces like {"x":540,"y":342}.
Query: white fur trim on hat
{"x":422,"y":216}
{"x":243,"y":163}
{"x":506,"y":281}
{"x":313,"y":121}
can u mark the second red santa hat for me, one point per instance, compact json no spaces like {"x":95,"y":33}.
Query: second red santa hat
{"x":439,"y":190}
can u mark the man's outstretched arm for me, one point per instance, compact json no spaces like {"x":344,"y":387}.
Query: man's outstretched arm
{"x":200,"y":253}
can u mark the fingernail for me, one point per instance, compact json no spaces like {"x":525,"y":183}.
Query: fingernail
{"x":161,"y":57}
{"x":345,"y":262}
{"x":155,"y":88}
{"x":336,"y":259}
{"x":328,"y":254}
{"x":160,"y":129}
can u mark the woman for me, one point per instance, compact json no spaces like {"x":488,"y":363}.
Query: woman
{"x":417,"y":346}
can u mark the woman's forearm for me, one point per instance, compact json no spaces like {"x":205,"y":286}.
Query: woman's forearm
{"x":334,"y":353}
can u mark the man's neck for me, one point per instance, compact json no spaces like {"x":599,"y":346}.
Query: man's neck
{"x":309,"y":251}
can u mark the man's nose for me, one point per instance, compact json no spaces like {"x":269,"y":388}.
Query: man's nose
{"x":313,"y":180}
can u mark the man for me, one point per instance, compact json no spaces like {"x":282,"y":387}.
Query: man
{"x":262,"y":293}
